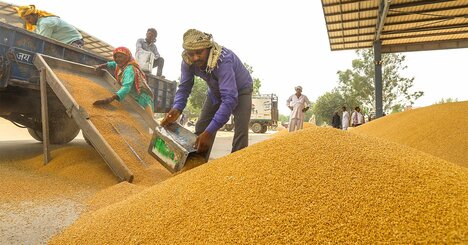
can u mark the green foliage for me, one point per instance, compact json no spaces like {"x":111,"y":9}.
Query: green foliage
{"x":326,"y":105}
{"x":256,"y":81}
{"x":447,"y":100}
{"x":357,"y":84}
{"x":283,"y":118}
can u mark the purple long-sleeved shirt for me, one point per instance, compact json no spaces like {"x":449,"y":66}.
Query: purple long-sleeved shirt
{"x":224,"y":82}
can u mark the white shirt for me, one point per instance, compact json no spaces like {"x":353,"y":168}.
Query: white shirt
{"x":345,"y":120}
{"x":357,"y":118}
{"x":298,"y":104}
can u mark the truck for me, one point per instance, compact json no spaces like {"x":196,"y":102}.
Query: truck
{"x":264,"y":114}
{"x":19,"y":78}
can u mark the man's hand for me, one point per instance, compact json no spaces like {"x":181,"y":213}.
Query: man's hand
{"x":106,"y":100}
{"x":305,"y":109}
{"x":170,"y":117}
{"x":203,"y":142}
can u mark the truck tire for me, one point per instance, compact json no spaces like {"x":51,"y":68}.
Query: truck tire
{"x":222,"y":128}
{"x":256,"y":127}
{"x":61,"y":130}
{"x":264,"y":129}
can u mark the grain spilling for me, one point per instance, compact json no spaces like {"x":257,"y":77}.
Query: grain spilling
{"x":439,"y":130}
{"x":125,"y":134}
{"x":317,"y":185}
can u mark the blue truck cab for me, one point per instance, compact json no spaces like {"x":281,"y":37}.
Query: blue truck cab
{"x":19,"y":78}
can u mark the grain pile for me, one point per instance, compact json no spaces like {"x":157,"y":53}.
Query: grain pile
{"x":317,"y":185}
{"x":439,"y":130}
{"x":77,"y":163}
{"x":118,"y":127}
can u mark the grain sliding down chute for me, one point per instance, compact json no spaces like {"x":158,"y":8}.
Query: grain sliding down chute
{"x":79,"y":114}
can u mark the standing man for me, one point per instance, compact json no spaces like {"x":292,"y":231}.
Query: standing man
{"x":49,"y":25}
{"x":357,"y":118}
{"x":229,"y":90}
{"x":345,"y":119}
{"x":148,"y":44}
{"x":336,"y":122}
{"x":299,"y":104}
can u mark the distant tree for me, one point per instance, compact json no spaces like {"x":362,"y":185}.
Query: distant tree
{"x":326,"y":105}
{"x":357,"y":84}
{"x":447,"y":100}
{"x":256,"y":81}
{"x":283,"y":118}
{"x":197,"y":97}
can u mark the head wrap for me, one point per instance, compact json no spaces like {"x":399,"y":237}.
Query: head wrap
{"x":26,"y":10}
{"x":196,"y":40}
{"x":140,"y":78}
{"x":298,"y":87}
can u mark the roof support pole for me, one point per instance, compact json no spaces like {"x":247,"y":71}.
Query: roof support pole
{"x":378,"y":78}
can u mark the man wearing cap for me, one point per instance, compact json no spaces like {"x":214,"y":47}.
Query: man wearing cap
{"x":49,"y":25}
{"x":299,"y":104}
{"x":229,"y":90}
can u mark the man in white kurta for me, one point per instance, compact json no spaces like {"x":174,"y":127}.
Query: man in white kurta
{"x":299,"y":104}
{"x":345,"y":119}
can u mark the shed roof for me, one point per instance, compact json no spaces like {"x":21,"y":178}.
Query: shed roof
{"x":408,"y":25}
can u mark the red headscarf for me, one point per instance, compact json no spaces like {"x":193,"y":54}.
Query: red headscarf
{"x":140,"y":78}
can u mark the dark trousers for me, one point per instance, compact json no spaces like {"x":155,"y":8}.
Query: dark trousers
{"x":159,"y":62}
{"x":241,"y":118}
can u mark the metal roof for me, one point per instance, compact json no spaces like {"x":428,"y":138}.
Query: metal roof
{"x":405,"y":25}
{"x":9,"y":15}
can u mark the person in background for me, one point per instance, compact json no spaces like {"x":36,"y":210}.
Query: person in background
{"x":149,"y":44}
{"x":49,"y":25}
{"x":357,"y":118}
{"x":345,"y":119}
{"x":299,"y":104}
{"x":229,"y":90}
{"x":131,"y":78}
{"x":336,"y":121}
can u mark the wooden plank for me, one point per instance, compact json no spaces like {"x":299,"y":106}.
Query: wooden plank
{"x":44,"y":116}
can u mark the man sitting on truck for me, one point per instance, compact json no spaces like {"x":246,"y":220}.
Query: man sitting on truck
{"x":148,"y":46}
{"x":49,"y":25}
{"x":230,"y":90}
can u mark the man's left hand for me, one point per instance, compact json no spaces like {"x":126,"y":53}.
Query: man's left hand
{"x":305,"y":109}
{"x":203,"y":142}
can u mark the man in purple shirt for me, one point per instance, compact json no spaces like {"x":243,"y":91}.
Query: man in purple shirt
{"x":229,"y":90}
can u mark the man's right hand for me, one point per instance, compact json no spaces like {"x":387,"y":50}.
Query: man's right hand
{"x":170,"y":117}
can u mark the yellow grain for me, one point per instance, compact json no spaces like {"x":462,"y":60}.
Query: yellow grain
{"x":317,"y":185}
{"x":439,"y":130}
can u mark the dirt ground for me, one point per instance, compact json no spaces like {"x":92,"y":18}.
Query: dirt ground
{"x":35,"y":205}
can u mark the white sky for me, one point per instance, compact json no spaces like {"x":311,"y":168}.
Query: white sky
{"x":285,"y":42}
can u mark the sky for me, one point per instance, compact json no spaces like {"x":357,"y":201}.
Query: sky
{"x":285,"y":42}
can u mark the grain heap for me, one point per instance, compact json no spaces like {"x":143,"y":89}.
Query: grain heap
{"x":78,"y":163}
{"x":439,"y":130}
{"x":118,"y":127}
{"x":317,"y":185}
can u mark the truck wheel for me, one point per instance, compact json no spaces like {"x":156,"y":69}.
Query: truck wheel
{"x":229,"y":127}
{"x":256,"y":127}
{"x":264,"y":129}
{"x":61,"y":130}
{"x":222,"y":128}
